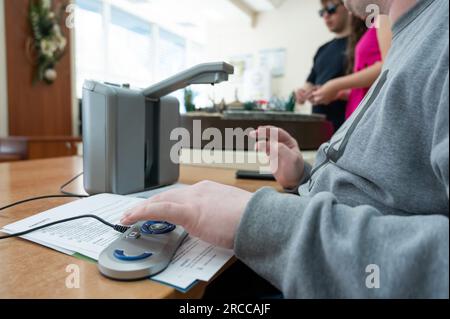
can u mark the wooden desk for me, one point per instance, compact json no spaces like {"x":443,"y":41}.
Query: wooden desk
{"x":29,"y":270}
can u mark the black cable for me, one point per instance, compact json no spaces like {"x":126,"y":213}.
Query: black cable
{"x":38,"y":198}
{"x":61,"y":189}
{"x":65,"y":195}
{"x":118,"y":228}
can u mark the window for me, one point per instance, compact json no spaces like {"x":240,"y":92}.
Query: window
{"x":90,"y":52}
{"x":114,"y":45}
{"x":172,"y":54}
{"x":129,"y":49}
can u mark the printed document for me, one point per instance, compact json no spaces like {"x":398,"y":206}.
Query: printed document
{"x":195,"y":260}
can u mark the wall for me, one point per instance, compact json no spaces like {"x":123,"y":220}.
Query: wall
{"x":295,"y":26}
{"x":3,"y":88}
{"x":41,"y":109}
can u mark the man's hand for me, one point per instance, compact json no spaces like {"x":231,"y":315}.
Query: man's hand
{"x":326,"y":94}
{"x":209,"y":211}
{"x":285,"y":152}
{"x":304,"y":94}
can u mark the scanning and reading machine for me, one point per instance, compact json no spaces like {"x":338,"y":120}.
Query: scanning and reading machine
{"x":126,"y":137}
{"x":126,"y":133}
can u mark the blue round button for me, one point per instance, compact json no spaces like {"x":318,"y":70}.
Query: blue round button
{"x":120,"y":254}
{"x":157,"y":228}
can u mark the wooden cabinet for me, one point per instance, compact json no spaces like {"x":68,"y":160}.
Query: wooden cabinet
{"x":27,"y":148}
{"x":34,"y":109}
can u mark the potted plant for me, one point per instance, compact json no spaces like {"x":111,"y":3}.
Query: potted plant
{"x":189,"y":96}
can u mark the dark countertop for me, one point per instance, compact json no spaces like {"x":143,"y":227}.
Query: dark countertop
{"x":271,"y":116}
{"x":261,"y":116}
{"x":310,"y":131}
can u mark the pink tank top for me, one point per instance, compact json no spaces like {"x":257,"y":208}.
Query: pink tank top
{"x":367,"y":53}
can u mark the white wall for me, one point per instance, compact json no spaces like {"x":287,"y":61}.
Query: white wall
{"x":3,"y":85}
{"x":295,"y":26}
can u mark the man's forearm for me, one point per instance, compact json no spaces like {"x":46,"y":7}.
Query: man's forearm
{"x":318,"y":248}
{"x":305,"y":178}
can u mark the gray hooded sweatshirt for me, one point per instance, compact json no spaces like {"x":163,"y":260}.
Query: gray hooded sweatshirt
{"x":371,"y":219}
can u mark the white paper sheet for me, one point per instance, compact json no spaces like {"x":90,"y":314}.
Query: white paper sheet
{"x":195,"y":260}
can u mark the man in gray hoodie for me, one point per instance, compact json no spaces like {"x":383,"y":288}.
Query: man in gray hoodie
{"x":371,"y":219}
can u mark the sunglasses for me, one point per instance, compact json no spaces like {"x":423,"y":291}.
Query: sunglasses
{"x":330,"y":9}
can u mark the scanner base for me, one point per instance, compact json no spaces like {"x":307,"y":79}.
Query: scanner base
{"x":145,"y":250}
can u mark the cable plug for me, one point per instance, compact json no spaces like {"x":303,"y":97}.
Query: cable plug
{"x":121,"y":229}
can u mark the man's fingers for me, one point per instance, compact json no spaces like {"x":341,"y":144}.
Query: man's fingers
{"x":301,"y":94}
{"x":279,"y":154}
{"x":309,"y":95}
{"x":272,"y":132}
{"x":262,"y":132}
{"x":159,"y":211}
{"x":263,"y":146}
{"x":317,"y":97}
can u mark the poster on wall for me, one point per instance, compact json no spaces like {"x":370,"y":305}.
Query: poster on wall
{"x":274,"y":60}
{"x":241,"y":63}
{"x":258,"y":84}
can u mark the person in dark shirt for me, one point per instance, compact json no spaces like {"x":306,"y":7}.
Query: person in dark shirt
{"x":330,"y":61}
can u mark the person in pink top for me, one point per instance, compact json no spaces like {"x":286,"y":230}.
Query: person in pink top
{"x":369,"y":54}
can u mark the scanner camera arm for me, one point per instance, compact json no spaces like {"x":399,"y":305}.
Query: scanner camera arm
{"x":208,"y":73}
